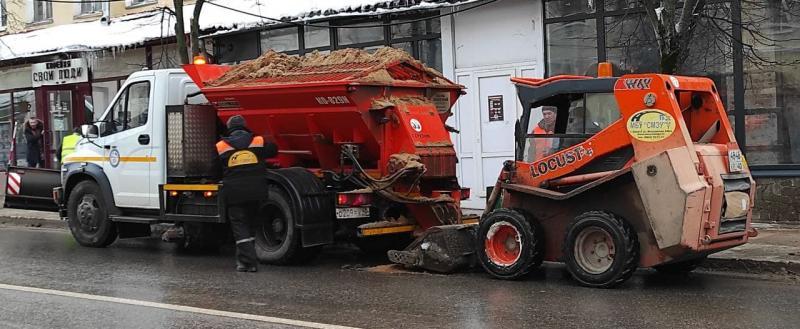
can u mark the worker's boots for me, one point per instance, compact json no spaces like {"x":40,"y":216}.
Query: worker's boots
{"x":246,"y":259}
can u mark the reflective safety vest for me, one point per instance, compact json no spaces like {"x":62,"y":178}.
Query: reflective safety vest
{"x":244,"y":171}
{"x":68,"y":145}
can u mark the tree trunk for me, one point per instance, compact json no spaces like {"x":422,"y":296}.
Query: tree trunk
{"x":197,"y":47}
{"x":180,"y":33}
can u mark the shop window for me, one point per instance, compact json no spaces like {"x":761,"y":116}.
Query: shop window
{"x":612,"y":5}
{"x":560,"y":8}
{"x":416,"y":29}
{"x":431,"y":53}
{"x":91,"y":7}
{"x":236,"y":48}
{"x":102,"y":94}
{"x":24,"y":109}
{"x":316,"y":37}
{"x":132,"y":3}
{"x":42,"y":11}
{"x":130,"y":110}
{"x":571,"y":47}
{"x":6,"y":123}
{"x":280,"y":40}
{"x":350,"y":36}
{"x":772,"y":84}
{"x":631,"y":44}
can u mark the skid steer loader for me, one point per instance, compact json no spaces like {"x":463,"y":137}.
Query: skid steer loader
{"x":635,"y":171}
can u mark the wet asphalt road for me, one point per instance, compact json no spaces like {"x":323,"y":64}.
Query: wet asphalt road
{"x":330,"y":291}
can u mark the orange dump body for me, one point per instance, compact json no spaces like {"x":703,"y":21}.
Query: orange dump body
{"x":312,"y":112}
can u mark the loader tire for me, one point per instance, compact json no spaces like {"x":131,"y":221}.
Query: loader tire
{"x":601,"y":250}
{"x":509,"y":245}
{"x":680,"y":268}
{"x":88,"y":216}
{"x":277,"y":237}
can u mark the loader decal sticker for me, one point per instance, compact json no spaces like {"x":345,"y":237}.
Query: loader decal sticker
{"x":651,"y":125}
{"x":637,"y":83}
{"x":243,"y":157}
{"x":561,"y":160}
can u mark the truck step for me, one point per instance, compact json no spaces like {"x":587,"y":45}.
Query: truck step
{"x":131,"y":219}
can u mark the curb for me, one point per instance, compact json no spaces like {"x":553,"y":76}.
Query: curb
{"x":751,"y":266}
{"x":32,"y":222}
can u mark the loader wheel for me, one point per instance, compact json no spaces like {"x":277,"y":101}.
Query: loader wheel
{"x":600,"y":250}
{"x":680,"y":268}
{"x":509,"y":245}
{"x":277,"y":238}
{"x":88,"y":216}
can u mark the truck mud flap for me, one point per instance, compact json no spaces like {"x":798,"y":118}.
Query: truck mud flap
{"x":313,"y":205}
{"x":31,"y":188}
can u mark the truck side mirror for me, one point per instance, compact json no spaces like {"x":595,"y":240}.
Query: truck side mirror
{"x":89,"y":131}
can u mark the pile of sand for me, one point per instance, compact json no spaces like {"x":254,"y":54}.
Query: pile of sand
{"x":273,"y":64}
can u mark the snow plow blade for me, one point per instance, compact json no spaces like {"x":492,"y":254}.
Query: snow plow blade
{"x":442,"y":249}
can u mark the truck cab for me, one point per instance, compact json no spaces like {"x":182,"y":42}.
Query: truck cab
{"x":123,"y":155}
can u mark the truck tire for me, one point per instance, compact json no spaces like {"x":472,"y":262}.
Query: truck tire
{"x":509,"y":245}
{"x":277,"y":237}
{"x":680,"y":268}
{"x":88,"y":216}
{"x":600,"y":250}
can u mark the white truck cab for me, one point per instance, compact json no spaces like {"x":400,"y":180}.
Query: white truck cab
{"x":128,"y":142}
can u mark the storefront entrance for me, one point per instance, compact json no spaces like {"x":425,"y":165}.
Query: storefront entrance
{"x":61,"y":108}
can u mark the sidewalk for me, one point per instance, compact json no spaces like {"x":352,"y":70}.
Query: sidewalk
{"x":775,"y":250}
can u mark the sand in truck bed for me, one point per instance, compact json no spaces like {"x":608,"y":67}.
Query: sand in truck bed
{"x":273,"y":64}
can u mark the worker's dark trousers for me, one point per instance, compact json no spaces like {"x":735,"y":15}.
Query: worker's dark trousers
{"x":241,"y":217}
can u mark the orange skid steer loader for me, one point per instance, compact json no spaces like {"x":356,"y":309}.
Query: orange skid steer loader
{"x":637,"y":171}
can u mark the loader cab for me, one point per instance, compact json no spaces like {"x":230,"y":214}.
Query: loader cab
{"x":559,"y":115}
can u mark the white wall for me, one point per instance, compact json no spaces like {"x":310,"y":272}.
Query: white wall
{"x":15,"y":77}
{"x":505,"y":32}
{"x":482,"y":49}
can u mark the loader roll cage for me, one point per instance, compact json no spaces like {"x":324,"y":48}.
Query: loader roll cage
{"x":569,"y":95}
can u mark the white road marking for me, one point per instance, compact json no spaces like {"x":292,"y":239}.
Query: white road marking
{"x":172,"y":307}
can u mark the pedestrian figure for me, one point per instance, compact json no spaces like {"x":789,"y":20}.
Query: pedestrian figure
{"x":34,"y":131}
{"x":68,"y":144}
{"x":244,"y":185}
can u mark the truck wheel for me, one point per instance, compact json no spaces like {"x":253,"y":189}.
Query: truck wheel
{"x":600,"y":250}
{"x":680,"y":268}
{"x":88,"y":216}
{"x":277,"y":238}
{"x":509,"y":245}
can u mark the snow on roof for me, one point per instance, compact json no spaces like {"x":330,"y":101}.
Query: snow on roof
{"x":132,"y":30}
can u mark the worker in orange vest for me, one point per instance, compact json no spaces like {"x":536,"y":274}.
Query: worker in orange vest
{"x":244,"y":185}
{"x":543,"y":146}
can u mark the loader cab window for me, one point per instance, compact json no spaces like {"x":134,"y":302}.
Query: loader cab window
{"x":565,"y":120}
{"x":129,"y":111}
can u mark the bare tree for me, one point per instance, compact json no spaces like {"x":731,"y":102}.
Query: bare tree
{"x":180,"y":31}
{"x":687,"y":29}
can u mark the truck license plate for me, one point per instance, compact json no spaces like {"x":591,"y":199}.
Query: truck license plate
{"x":735,"y":161}
{"x":359,"y":212}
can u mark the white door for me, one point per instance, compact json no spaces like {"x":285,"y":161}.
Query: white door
{"x":486,"y":117}
{"x":127,"y":144}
